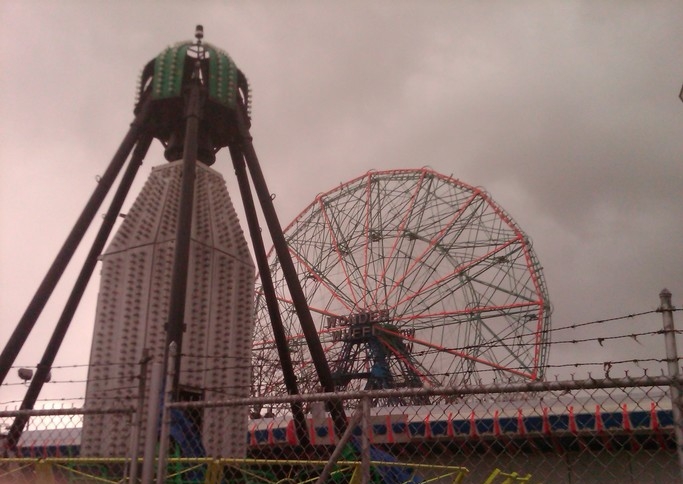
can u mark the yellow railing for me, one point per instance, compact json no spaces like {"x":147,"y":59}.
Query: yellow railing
{"x":55,"y":470}
{"x":510,"y":478}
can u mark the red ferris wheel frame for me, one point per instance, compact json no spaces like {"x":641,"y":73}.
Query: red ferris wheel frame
{"x":461,"y":290}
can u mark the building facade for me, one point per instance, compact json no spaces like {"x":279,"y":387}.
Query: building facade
{"x":133,"y":305}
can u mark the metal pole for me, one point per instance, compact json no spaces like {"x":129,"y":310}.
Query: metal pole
{"x":667,"y":309}
{"x":137,"y":419}
{"x":181,"y":257}
{"x":289,"y":271}
{"x":35,"y":307}
{"x":269,"y":293}
{"x":151,"y":433}
{"x":43,"y":369}
{"x":166,"y":415}
{"x":365,"y":442}
{"x":343,"y":440}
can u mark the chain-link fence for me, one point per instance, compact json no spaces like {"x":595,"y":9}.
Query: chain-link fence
{"x":48,"y":448}
{"x":565,"y":429}
{"x":606,"y":430}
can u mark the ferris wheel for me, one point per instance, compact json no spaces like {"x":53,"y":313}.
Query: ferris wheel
{"x":414,"y":279}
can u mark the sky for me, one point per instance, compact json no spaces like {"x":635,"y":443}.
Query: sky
{"x":566,"y":113}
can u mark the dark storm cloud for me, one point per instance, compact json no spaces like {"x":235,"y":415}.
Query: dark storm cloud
{"x":566,"y":112}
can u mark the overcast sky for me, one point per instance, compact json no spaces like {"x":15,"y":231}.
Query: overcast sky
{"x":567,"y":113}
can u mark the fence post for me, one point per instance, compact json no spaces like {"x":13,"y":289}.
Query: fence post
{"x":365,"y":441}
{"x":137,"y":419}
{"x":152,"y":423}
{"x":336,"y":453}
{"x":166,"y":414}
{"x":667,"y":310}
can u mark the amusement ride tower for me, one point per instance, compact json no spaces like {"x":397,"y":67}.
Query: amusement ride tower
{"x":178,"y":273}
{"x":133,"y":307}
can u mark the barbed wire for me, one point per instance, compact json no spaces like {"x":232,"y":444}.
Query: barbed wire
{"x":450,"y":374}
{"x":80,"y":398}
{"x":78,"y":365}
{"x":604,"y":320}
{"x":132,"y":376}
{"x":464,"y":374}
{"x":612,"y":364}
{"x":222,"y":357}
{"x":516,"y":340}
{"x":498,"y":343}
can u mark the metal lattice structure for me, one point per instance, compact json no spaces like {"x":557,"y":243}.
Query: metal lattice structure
{"x":414,"y":279}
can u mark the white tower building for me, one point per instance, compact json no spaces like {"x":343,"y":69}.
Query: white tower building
{"x":133,"y":306}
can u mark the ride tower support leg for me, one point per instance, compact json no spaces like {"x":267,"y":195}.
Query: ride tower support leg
{"x":269,"y":293}
{"x":79,"y":288}
{"x":181,"y":256}
{"x":282,"y":250}
{"x":54,"y":273}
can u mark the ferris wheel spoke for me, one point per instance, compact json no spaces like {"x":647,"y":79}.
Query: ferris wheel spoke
{"x":422,"y":373}
{"x":420,"y":280}
{"x":473,"y":358}
{"x":294,"y":340}
{"x":401,"y":227}
{"x":461,"y":354}
{"x":455,"y":273}
{"x":425,"y":270}
{"x":367,"y":238}
{"x":500,"y":289}
{"x":390,"y":213}
{"x":417,"y":260}
{"x":290,"y":304}
{"x":505,"y":347}
{"x":325,"y":282}
{"x":506,"y":267}
{"x":305,"y":361}
{"x":340,"y":253}
{"x":354,"y":233}
{"x":434,"y":295}
{"x":461,"y":277}
{"x":297,"y":339}
{"x":432,"y":320}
